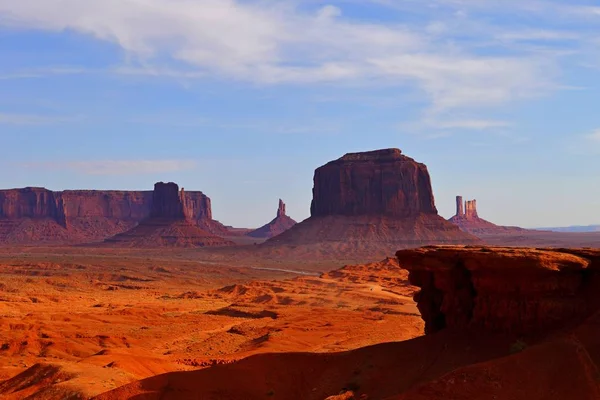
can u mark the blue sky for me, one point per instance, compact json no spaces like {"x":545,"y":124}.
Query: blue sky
{"x":243,"y":99}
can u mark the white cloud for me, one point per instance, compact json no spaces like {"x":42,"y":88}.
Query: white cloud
{"x":454,"y":81}
{"x":275,"y":42}
{"x":594,"y":136}
{"x":538,"y":34}
{"x":117,"y":167}
{"x":31,"y":119}
{"x":476,"y":124}
{"x":42,"y":72}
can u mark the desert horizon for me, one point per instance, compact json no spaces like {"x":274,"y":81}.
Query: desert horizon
{"x":299,"y":200}
{"x":114,"y":295}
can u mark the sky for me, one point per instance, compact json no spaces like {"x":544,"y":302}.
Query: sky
{"x":243,"y":99}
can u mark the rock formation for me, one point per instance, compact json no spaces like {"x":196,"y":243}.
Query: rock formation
{"x":471,"y":209}
{"x":371,"y":202}
{"x":518,"y":328}
{"x":33,"y":215}
{"x":32,"y":203}
{"x":459,"y":206}
{"x":171,"y":223}
{"x":281,"y":209}
{"x":169,"y":202}
{"x":512,"y":290}
{"x":382,"y":182}
{"x":467,"y":219}
{"x":280,"y":224}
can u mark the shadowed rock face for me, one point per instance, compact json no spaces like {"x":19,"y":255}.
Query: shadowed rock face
{"x":32,"y":203}
{"x":512,"y":290}
{"x":370,"y":203}
{"x":381,"y":182}
{"x":168,"y":202}
{"x":171,"y":223}
{"x":281,"y":209}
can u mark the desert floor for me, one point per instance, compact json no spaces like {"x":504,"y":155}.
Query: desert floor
{"x":81,"y":321}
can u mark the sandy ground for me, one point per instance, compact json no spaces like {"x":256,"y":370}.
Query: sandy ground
{"x":80,"y":322}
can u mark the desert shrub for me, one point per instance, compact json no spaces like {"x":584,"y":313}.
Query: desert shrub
{"x":517,"y":347}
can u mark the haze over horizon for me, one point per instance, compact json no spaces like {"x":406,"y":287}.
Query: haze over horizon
{"x":244,"y":99}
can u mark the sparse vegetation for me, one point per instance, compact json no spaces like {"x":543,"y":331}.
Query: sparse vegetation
{"x":518,"y":346}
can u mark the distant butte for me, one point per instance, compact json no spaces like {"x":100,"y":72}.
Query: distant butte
{"x":38,"y":215}
{"x":373,"y":202}
{"x":277,"y":226}
{"x":170,"y":224}
{"x":468,"y":220}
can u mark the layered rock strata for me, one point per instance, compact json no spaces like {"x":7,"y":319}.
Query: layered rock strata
{"x":171,"y":223}
{"x":512,"y":290}
{"x":373,"y":202}
{"x":33,"y":215}
{"x":381,"y":182}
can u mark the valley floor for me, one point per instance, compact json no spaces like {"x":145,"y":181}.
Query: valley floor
{"x":81,"y":322}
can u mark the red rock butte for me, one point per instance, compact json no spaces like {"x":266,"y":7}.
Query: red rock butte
{"x":370,"y":202}
{"x":38,"y":215}
{"x":277,"y":226}
{"x":381,"y":182}
{"x":170,"y":223}
{"x":468,"y":220}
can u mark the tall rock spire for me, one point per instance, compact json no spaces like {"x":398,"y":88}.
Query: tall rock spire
{"x":460,"y":210}
{"x":281,"y":209}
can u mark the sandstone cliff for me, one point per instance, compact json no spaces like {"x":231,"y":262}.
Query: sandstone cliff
{"x":372,"y":203}
{"x":32,"y":203}
{"x":512,"y":290}
{"x":382,"y":182}
{"x":277,"y":226}
{"x":172,"y":222}
{"x":33,"y":215}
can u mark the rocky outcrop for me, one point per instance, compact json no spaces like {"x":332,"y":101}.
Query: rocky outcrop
{"x":280,"y":224}
{"x":381,"y":182}
{"x":169,"y":202}
{"x":281,"y":209}
{"x":172,"y":223}
{"x":512,"y":290}
{"x":467,"y":219}
{"x":32,"y":202}
{"x":471,"y":209}
{"x":459,"y":206}
{"x":369,"y":203}
{"x":33,"y":215}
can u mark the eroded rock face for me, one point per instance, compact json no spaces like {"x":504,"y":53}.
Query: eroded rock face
{"x":281,"y":209}
{"x":168,"y":202}
{"x":513,"y":290}
{"x":32,"y":203}
{"x":277,"y":226}
{"x":468,"y":220}
{"x":368,"y":203}
{"x":38,"y":214}
{"x":381,"y":182}
{"x":172,"y":223}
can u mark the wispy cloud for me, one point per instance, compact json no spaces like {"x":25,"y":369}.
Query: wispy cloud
{"x":116,"y":167}
{"x":477,"y":124}
{"x":594,"y":136}
{"x":538,"y":34}
{"x":42,"y":72}
{"x":266,"y":126}
{"x":278,"y":42}
{"x":32,"y":119}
